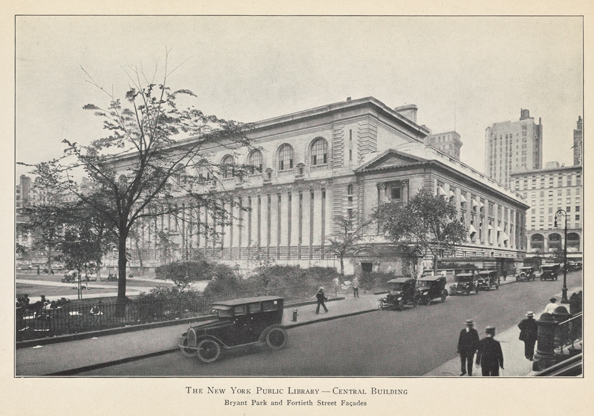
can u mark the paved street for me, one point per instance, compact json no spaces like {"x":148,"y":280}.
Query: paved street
{"x":381,"y":343}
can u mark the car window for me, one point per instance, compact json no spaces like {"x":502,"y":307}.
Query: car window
{"x":240,"y":310}
{"x":223,"y":311}
{"x":271,"y":305}
{"x":255,"y":307}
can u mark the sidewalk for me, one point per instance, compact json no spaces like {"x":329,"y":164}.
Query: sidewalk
{"x":70,"y":357}
{"x":514,"y":361}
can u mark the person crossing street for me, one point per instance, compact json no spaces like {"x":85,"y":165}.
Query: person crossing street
{"x":321,"y":296}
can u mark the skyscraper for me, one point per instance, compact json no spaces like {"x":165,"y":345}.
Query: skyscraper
{"x":577,"y":143}
{"x":448,"y":142}
{"x":513,"y":146}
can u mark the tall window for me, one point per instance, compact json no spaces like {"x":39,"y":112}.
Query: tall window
{"x":319,"y":152}
{"x":285,"y":157}
{"x":255,"y":162}
{"x":227,"y":166}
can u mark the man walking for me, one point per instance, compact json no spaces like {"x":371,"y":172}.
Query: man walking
{"x":468,"y":343}
{"x":489,"y":356}
{"x":321,"y":298}
{"x":336,"y":283}
{"x":528,"y":334}
{"x":355,"y":285}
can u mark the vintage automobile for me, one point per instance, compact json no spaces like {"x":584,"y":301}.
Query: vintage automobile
{"x":487,"y":279}
{"x":240,"y":322}
{"x":550,"y":271}
{"x":431,"y":288}
{"x":401,"y":292}
{"x":526,"y":273}
{"x":466,"y":283}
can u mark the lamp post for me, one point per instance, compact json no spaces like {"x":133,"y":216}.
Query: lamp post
{"x":564,"y":290}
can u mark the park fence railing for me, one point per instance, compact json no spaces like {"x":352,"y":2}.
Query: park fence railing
{"x":74,"y":317}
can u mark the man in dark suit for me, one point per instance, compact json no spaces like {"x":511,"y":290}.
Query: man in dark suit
{"x":489,"y":356}
{"x":528,"y":334}
{"x":468,"y":343}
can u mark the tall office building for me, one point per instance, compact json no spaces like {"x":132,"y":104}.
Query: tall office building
{"x":448,"y":142}
{"x":513,"y":146}
{"x":577,"y":143}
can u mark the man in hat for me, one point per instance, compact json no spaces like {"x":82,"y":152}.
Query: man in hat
{"x":528,"y":334}
{"x":468,"y":343}
{"x":489,"y":356}
{"x":321,"y":298}
{"x":551,"y":306}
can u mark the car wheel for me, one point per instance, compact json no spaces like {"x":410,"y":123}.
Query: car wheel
{"x":277,"y":338}
{"x":381,"y":305}
{"x":444,"y":295}
{"x":477,"y":291}
{"x":188,"y":352}
{"x":208,"y":350}
{"x":400,"y":306}
{"x":497,"y":287}
{"x":415,"y":302}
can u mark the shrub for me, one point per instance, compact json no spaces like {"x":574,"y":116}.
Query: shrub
{"x":372,"y":280}
{"x":184,"y":273}
{"x":223,"y":280}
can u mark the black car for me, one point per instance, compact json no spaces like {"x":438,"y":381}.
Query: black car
{"x":488,"y":279}
{"x":401,"y":291}
{"x":239,"y":322}
{"x":550,"y":271}
{"x":466,"y":283}
{"x":431,"y":288}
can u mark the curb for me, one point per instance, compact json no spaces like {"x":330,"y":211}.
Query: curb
{"x":78,"y":370}
{"x":133,"y":328}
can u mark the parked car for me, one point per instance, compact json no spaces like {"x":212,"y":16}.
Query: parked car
{"x":401,"y":291}
{"x":239,"y":322}
{"x":574,"y":266}
{"x":526,"y":273}
{"x":487,"y":279}
{"x":550,"y":271}
{"x":431,"y":288}
{"x":466,"y":283}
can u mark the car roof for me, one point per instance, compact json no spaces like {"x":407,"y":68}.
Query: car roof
{"x":430,"y":278}
{"x":242,"y":301}
{"x":551,"y":265}
{"x":464,"y":275}
{"x":487,"y":271}
{"x":400,"y":280}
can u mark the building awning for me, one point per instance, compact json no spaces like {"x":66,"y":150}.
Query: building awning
{"x":471,"y":230}
{"x":474,"y":203}
{"x":490,"y":227}
{"x":452,"y":194}
{"x":440,"y":191}
{"x":505,"y":237}
{"x":462,"y":199}
{"x":499,"y":229}
{"x":481,"y":205}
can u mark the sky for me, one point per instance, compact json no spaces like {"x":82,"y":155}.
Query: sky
{"x":463,"y":73}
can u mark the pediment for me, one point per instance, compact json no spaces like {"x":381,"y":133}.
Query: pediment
{"x":391,"y":158}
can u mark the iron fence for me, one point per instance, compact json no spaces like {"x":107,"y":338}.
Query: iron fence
{"x":74,"y":317}
{"x":568,"y":332}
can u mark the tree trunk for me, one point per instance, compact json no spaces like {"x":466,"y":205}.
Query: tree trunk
{"x":122,"y":263}
{"x":342,"y":265}
{"x":435,"y":264}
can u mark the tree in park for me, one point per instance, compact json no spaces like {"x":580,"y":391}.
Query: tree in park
{"x":344,"y":241}
{"x":427,"y":224}
{"x":140,"y":168}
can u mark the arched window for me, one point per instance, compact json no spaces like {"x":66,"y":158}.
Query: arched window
{"x":227,"y":166}
{"x":255,"y":161}
{"x":319,"y":152}
{"x":285,"y":157}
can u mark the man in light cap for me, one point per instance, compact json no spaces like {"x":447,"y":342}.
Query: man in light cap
{"x":528,"y":334}
{"x":489,"y":356}
{"x":468,"y":343}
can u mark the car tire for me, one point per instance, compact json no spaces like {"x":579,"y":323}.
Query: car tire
{"x":415,"y":302}
{"x":277,"y":338}
{"x":477,"y":291}
{"x":187,"y":352}
{"x":208,"y":350}
{"x":444,"y":295}
{"x":497,"y":287}
{"x":381,"y":305}
{"x":400,"y":306}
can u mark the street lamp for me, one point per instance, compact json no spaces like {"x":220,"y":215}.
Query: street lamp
{"x":564,"y":290}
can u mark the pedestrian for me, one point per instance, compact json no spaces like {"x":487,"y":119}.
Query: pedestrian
{"x":321,"y":298}
{"x":551,"y":306}
{"x":468,"y":343}
{"x":355,"y":285}
{"x":38,"y":270}
{"x":528,"y":334}
{"x":489,"y":355}
{"x":336,"y":282}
